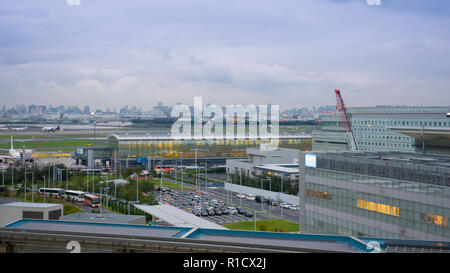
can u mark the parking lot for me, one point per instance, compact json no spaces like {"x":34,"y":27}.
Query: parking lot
{"x":204,"y":205}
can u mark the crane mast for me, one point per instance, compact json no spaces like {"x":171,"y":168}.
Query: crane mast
{"x":346,"y":122}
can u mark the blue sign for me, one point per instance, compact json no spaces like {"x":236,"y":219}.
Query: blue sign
{"x":141,"y":160}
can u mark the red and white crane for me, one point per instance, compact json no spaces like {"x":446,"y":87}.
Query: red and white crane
{"x":346,"y":122}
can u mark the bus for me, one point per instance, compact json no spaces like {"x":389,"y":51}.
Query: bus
{"x":55,"y":192}
{"x":75,"y":195}
{"x":92,"y":200}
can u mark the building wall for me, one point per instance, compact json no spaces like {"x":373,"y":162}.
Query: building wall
{"x":197,"y":148}
{"x":371,"y":206}
{"x":371,"y":125}
{"x":257,"y":157}
{"x":9,"y":214}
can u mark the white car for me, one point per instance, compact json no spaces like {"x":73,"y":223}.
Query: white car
{"x":250,"y":197}
{"x":232,"y":210}
{"x":240,"y":195}
{"x":285,"y":206}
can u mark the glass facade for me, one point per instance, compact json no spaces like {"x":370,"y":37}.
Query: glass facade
{"x":363,"y":205}
{"x":169,"y":148}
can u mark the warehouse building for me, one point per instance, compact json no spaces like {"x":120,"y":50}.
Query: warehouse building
{"x":11,"y":212}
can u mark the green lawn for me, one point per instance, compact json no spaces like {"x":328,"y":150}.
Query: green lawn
{"x":166,"y":184}
{"x":265,"y":225}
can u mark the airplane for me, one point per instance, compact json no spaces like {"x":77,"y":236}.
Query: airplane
{"x":19,"y":128}
{"x":51,"y":129}
{"x":2,"y":127}
{"x":13,"y":154}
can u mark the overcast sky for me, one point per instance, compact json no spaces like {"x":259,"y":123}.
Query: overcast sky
{"x":111,"y":53}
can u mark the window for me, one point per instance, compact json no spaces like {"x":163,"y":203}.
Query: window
{"x":33,"y":214}
{"x":381,"y":208}
{"x":434,"y":219}
{"x":54,"y":214}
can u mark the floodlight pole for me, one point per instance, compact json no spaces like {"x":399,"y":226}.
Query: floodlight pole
{"x":301,"y":193}
{"x":44,"y":189}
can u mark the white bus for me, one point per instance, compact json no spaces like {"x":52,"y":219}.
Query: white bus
{"x":55,"y":192}
{"x":75,"y":195}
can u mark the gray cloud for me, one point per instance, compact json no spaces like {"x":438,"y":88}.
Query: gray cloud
{"x":111,"y":53}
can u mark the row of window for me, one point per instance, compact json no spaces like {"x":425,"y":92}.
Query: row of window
{"x":405,"y":123}
{"x":386,"y":144}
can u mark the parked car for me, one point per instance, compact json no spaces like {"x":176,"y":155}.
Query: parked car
{"x":233,"y":210}
{"x":240,"y":210}
{"x":239,"y":195}
{"x":248,"y":214}
{"x":250,"y":197}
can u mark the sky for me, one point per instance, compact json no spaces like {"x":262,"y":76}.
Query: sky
{"x":111,"y":53}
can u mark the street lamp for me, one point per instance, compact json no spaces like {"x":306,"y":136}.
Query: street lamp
{"x":95,"y":122}
{"x":181,"y":171}
{"x":137,"y":187}
{"x":160,"y":185}
{"x":44,"y":189}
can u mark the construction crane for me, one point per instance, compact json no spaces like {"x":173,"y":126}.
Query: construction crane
{"x":346,"y":122}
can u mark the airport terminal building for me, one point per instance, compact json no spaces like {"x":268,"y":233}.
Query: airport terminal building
{"x":147,"y":150}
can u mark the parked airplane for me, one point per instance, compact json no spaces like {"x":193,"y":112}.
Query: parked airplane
{"x":13,"y":128}
{"x":13,"y":154}
{"x":19,"y":128}
{"x":51,"y":129}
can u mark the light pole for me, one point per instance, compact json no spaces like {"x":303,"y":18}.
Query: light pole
{"x":270,"y":197}
{"x":196,"y":171}
{"x":32,"y":183}
{"x":206,"y":176}
{"x":49,"y":167}
{"x":67,"y":179}
{"x":44,"y":189}
{"x":25,"y":192}
{"x":182,"y":173}
{"x":160,"y":185}
{"x":95,"y":123}
{"x":261,"y":193}
{"x":87,"y":181}
{"x":12,"y":173}
{"x":281,"y":191}
{"x":32,"y":186}
{"x":137,"y":188}
{"x":240,"y":190}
